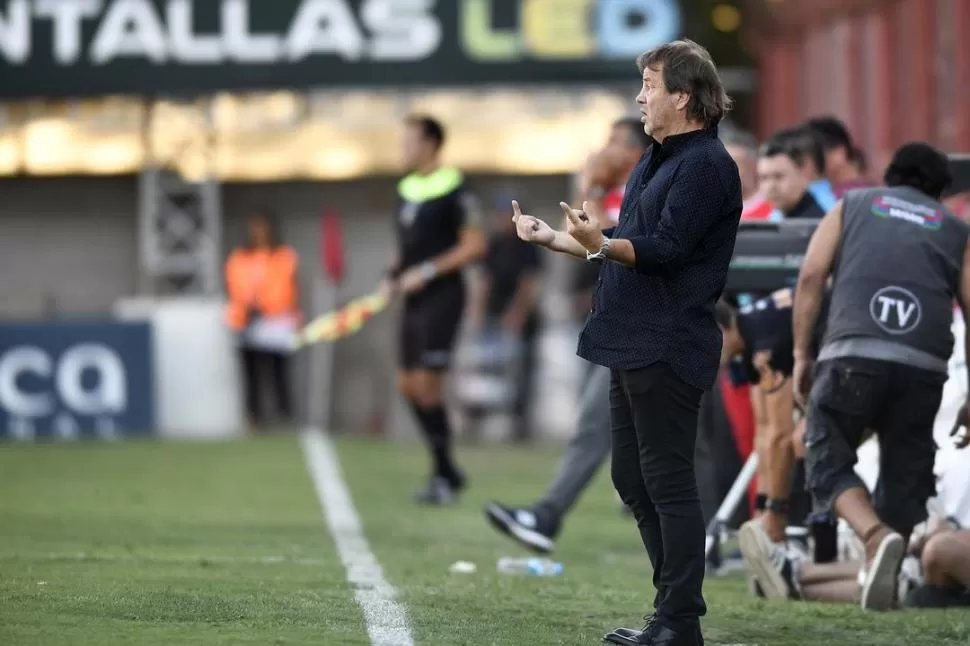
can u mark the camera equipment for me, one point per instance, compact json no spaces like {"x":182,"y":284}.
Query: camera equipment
{"x":767,"y":255}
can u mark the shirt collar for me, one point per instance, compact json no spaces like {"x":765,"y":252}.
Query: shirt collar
{"x":673,"y":143}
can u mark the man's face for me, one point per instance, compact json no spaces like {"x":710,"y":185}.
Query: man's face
{"x":782,"y":181}
{"x":746,"y":167}
{"x":416,"y":149}
{"x":658,"y":108}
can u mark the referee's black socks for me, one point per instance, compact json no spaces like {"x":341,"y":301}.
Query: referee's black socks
{"x":437,"y":429}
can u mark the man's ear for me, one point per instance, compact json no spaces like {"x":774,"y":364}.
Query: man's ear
{"x":683,"y":98}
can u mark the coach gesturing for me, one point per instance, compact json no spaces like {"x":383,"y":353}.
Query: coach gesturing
{"x":652,"y":321}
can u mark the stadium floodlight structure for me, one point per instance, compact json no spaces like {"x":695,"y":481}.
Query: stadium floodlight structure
{"x":180,"y":218}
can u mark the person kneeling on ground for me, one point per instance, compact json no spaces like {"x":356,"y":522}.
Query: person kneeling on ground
{"x":934,"y":574}
{"x":892,"y":252}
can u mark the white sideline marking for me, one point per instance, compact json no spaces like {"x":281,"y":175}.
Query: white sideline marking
{"x":385,"y":618}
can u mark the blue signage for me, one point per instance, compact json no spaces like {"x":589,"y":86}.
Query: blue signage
{"x":72,"y":380}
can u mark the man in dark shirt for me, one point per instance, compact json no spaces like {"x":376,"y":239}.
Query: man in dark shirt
{"x":652,"y":320}
{"x":438,"y":226}
{"x":783,"y":177}
{"x":760,"y":334}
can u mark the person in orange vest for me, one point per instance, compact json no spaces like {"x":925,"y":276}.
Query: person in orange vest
{"x":261,"y":282}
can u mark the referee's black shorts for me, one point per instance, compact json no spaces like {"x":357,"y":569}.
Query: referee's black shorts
{"x":430,"y":324}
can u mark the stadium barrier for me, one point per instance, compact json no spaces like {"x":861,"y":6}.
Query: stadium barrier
{"x":161,"y":367}
{"x":67,"y":380}
{"x":197,"y":387}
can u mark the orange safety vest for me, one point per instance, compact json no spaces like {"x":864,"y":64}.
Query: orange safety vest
{"x":262,"y":280}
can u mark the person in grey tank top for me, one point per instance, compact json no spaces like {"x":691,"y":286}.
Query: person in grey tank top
{"x":897,"y":259}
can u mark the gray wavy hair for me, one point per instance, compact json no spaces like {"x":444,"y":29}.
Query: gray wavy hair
{"x":689,"y":68}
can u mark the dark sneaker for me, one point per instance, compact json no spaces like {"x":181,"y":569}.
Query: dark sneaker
{"x":881,"y":579}
{"x":439,"y":492}
{"x":932,"y":596}
{"x":532,"y":530}
{"x":776,"y":569}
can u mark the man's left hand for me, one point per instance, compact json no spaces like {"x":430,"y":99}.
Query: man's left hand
{"x":802,"y":381}
{"x":584,"y":229}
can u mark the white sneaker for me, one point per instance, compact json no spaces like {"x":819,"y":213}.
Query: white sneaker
{"x":775,"y":567}
{"x":879,"y":585}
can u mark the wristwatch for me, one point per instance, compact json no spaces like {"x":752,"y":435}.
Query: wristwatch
{"x":428,"y":271}
{"x":600,"y":255}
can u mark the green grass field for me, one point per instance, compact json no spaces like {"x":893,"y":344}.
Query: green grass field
{"x":184,"y":543}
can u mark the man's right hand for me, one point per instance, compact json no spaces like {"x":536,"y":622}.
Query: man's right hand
{"x":531,"y":229}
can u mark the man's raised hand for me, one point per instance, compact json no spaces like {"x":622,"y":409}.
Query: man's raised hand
{"x":584,"y":229}
{"x":531,"y":229}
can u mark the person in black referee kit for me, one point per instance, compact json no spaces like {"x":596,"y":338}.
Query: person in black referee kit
{"x":438,"y":225}
{"x":652,"y":320}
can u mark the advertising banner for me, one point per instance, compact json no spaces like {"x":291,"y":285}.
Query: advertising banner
{"x":58,"y":48}
{"x":71,"y":380}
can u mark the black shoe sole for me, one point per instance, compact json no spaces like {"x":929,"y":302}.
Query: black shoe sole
{"x":623,"y":636}
{"x":629,"y":637}
{"x":501,"y":521}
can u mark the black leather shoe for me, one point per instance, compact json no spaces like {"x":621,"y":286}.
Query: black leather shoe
{"x":666,"y":636}
{"x":622,"y":636}
{"x":654,"y":634}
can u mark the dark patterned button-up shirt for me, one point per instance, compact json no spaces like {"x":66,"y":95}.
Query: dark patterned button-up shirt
{"x":680,"y":213}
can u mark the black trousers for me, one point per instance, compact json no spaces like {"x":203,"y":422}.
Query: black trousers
{"x":898,"y":401}
{"x":653,"y":415}
{"x":274,"y":369}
